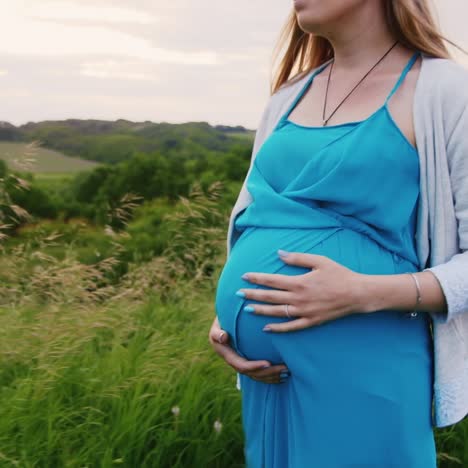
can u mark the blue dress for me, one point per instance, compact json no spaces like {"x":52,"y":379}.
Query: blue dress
{"x":360,"y":390}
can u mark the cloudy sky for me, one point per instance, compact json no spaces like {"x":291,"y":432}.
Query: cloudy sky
{"x":173,"y":61}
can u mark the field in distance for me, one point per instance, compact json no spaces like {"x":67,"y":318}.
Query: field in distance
{"x":43,"y":160}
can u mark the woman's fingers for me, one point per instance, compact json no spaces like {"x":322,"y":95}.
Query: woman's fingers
{"x":254,"y":369}
{"x":260,"y":370}
{"x":237,"y":362}
{"x":272,"y":374}
{"x":217,"y":334}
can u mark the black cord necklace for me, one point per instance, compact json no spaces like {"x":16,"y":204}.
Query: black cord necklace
{"x":324,"y":120}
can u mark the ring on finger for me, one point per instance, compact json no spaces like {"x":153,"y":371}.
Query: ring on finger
{"x":286,"y":310}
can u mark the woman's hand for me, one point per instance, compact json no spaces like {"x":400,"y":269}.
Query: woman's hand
{"x":219,"y":339}
{"x":328,"y":292}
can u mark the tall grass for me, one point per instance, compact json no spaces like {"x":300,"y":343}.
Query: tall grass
{"x":123,"y":384}
{"x":101,"y":374}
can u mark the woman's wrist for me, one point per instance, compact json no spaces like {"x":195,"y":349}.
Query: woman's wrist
{"x":398,"y":291}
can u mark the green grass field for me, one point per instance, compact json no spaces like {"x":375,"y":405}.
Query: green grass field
{"x":242,"y":135}
{"x":24,"y":157}
{"x":130,"y":386}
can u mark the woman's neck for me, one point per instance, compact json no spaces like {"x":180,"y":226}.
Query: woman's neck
{"x":359,"y":39}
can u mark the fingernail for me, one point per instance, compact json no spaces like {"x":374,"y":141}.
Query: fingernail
{"x":264,"y":367}
{"x":267,"y":329}
{"x":283,"y":253}
{"x":284,"y":374}
{"x":245,"y":276}
{"x":240,"y":293}
{"x":220,"y":337}
{"x":249,"y":309}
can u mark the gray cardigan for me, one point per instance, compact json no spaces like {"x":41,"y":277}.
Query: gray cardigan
{"x":440,"y":115}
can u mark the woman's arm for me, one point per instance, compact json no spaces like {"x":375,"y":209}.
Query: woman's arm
{"x":399,"y":292}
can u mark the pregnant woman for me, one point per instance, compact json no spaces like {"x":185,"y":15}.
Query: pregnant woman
{"x":335,"y":190}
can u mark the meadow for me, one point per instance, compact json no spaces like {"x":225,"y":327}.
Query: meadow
{"x":42,"y":160}
{"x":96,"y":372}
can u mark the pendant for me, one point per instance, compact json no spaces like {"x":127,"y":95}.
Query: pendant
{"x":324,"y":123}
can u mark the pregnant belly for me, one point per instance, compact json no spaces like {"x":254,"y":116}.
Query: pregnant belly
{"x":256,"y":251}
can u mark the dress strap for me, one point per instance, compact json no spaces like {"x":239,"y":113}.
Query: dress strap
{"x":403,"y":74}
{"x":301,"y":92}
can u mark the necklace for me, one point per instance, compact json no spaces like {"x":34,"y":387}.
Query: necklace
{"x":324,"y":120}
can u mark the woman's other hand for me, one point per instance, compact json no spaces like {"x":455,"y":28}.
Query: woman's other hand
{"x":256,"y":370}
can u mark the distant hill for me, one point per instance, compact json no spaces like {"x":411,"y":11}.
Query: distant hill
{"x":116,"y":141}
{"x":43,"y":160}
{"x":9,"y":132}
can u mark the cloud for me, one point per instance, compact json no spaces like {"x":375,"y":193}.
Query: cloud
{"x":72,"y":11}
{"x":113,"y":69}
{"x":36,"y":37}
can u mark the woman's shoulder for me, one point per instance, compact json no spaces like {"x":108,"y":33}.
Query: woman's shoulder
{"x":442,"y":93}
{"x":447,"y":75}
{"x":296,"y":79}
{"x":446,"y":66}
{"x":291,"y":85}
{"x":288,"y":90}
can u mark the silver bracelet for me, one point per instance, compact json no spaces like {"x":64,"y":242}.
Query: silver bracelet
{"x":414,"y":313}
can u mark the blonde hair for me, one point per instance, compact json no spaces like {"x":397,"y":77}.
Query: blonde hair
{"x":410,"y":21}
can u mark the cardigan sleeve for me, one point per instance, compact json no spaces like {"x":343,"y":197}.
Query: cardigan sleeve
{"x":453,"y":274}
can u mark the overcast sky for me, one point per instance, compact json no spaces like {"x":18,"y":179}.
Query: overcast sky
{"x":173,"y":61}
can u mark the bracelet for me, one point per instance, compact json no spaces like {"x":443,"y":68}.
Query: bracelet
{"x":414,"y":313}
